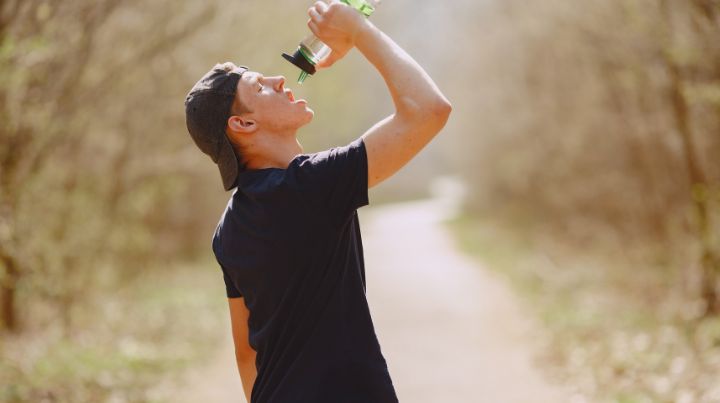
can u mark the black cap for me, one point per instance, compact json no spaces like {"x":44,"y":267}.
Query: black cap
{"x":207,"y":109}
{"x":300,"y":61}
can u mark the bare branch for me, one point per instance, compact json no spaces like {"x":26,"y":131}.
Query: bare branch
{"x":70,"y":105}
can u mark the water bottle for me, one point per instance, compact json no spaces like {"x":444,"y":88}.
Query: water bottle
{"x":311,"y":50}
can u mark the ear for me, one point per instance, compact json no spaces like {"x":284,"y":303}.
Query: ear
{"x":240,"y":124}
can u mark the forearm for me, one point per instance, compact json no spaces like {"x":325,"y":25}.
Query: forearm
{"x":412,"y":89}
{"x":248,"y":373}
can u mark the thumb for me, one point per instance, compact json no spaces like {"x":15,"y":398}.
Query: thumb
{"x":329,"y":60}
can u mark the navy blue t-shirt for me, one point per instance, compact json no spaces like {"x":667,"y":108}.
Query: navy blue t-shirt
{"x":289,"y":243}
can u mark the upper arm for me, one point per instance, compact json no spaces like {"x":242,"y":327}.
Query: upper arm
{"x":239,"y":315}
{"x":394,"y":141}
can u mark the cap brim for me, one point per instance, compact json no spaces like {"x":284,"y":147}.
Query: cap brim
{"x":228,"y":164}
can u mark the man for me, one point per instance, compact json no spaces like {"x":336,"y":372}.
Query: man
{"x":289,"y":242}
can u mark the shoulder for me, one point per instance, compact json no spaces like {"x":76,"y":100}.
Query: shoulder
{"x":328,"y":160}
{"x":355,"y":146}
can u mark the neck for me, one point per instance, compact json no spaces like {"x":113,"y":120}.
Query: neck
{"x":272,"y":150}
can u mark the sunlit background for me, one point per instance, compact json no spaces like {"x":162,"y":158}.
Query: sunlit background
{"x":560,"y":239}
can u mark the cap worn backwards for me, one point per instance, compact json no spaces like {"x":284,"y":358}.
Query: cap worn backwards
{"x":207,"y":109}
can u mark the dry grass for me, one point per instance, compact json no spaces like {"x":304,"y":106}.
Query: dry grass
{"x":125,"y":343}
{"x":625,"y":329}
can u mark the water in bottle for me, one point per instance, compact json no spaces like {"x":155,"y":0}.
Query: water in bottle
{"x":311,"y":50}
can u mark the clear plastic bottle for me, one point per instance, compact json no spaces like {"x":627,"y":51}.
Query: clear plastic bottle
{"x":311,"y":50}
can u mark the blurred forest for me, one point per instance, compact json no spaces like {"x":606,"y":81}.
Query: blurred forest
{"x":613,"y":116}
{"x":591,"y":127}
{"x":594,"y":141}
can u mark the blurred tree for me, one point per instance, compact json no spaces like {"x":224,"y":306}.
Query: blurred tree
{"x":696,"y":64}
{"x":603,"y":126}
{"x":68,"y":78}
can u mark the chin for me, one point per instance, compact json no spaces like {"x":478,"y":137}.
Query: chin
{"x":309,"y":115}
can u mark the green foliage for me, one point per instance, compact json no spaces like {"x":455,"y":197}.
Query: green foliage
{"x":702,"y":94}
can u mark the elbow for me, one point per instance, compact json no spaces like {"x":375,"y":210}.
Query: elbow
{"x":442,"y":109}
{"x":440,"y":112}
{"x":433,"y":112}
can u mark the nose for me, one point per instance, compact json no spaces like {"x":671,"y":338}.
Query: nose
{"x":279,"y":83}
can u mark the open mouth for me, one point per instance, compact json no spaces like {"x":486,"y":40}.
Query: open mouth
{"x":290,"y":95}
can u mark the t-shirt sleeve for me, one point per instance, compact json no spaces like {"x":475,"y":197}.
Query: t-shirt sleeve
{"x":230,"y":290}
{"x":336,"y":180}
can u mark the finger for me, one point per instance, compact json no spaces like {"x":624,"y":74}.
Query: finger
{"x":313,"y":27}
{"x":314,"y":15}
{"x":320,"y":6}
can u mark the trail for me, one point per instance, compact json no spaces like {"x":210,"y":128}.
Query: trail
{"x":449,"y":330}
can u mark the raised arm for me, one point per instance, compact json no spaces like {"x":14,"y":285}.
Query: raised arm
{"x":421,"y":110}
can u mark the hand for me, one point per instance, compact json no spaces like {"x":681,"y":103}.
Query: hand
{"x":337,"y":25}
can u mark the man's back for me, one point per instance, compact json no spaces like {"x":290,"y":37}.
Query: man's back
{"x":289,"y":243}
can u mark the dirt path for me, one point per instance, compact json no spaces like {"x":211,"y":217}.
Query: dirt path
{"x":450,"y":331}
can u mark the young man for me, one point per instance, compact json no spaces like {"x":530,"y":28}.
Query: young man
{"x":289,"y":242}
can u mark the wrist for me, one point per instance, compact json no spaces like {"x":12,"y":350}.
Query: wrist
{"x":364,"y":34}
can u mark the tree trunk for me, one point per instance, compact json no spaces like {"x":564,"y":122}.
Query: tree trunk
{"x":699,"y":189}
{"x":8,"y":293}
{"x":699,"y":184}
